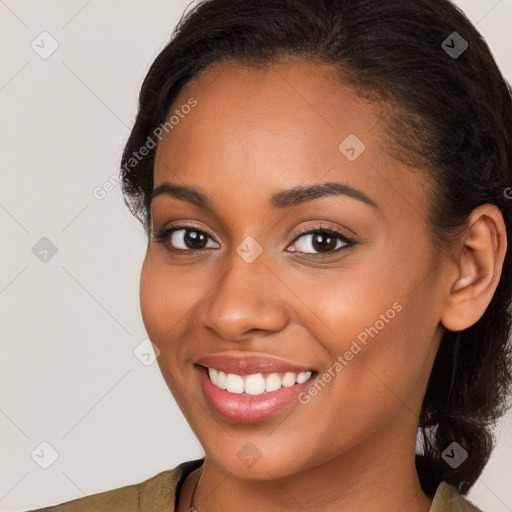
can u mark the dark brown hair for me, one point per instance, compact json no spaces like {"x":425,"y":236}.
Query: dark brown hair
{"x":451,"y":116}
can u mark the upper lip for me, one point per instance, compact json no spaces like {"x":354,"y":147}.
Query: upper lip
{"x":248,"y":365}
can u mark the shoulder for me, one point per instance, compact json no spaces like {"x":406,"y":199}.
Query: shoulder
{"x":157,"y":494}
{"x":448,"y":499}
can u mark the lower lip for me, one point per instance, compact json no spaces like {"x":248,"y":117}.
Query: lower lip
{"x":248,"y":408}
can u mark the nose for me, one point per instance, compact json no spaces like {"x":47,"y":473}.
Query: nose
{"x":248,"y":299}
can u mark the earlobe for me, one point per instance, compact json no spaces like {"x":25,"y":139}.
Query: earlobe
{"x":478,"y":269}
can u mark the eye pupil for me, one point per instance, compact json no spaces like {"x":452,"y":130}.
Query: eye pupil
{"x":195,"y":239}
{"x":328,"y":244}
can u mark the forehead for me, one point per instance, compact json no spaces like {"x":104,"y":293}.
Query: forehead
{"x":285,"y":108}
{"x":289,"y":92}
{"x":263,"y":129}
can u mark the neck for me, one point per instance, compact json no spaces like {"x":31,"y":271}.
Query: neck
{"x":378,"y":475}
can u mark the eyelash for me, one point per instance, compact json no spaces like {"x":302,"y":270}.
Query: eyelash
{"x":164,"y":235}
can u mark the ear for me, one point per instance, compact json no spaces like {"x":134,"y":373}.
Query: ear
{"x":476,"y":270}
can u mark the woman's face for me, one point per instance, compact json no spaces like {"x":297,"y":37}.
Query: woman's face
{"x":259,"y":280}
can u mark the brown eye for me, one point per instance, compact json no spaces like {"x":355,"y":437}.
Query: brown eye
{"x":185,"y":239}
{"x":320,"y":242}
{"x":194,"y":239}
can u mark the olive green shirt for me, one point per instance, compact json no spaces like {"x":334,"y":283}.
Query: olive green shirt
{"x":159,"y":494}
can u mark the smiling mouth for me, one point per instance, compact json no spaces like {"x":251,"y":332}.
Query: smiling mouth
{"x":257,"y":383}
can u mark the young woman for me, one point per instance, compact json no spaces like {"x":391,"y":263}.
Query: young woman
{"x":326,"y":190}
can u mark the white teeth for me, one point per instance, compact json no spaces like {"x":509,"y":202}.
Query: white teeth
{"x":218,"y":377}
{"x":273,"y":382}
{"x":221,"y":380}
{"x":256,"y":383}
{"x":214,"y":374}
{"x":234,"y":383}
{"x":289,"y":379}
{"x":303,"y":377}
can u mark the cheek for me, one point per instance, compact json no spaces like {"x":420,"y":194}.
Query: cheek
{"x":152,"y":297}
{"x":380,"y":322}
{"x":344,"y":305}
{"x":166,"y":295}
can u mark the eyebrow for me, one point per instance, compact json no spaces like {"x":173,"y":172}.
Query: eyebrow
{"x":283,"y":199}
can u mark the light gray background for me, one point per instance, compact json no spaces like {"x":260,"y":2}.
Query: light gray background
{"x":69,"y":326}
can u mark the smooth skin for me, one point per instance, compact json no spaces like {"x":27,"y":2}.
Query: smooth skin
{"x":255,"y":132}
